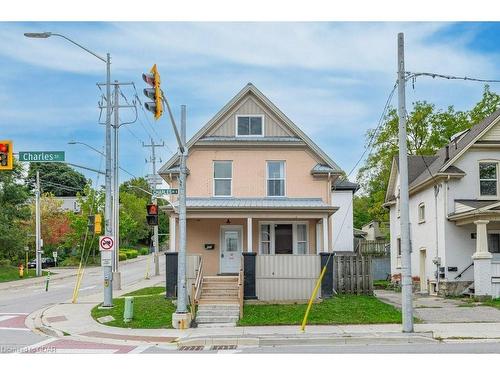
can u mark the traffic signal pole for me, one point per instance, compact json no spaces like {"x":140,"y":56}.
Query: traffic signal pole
{"x":38,"y":226}
{"x":153,"y":185}
{"x":116,"y":191}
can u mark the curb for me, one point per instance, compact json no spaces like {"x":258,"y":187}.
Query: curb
{"x":313,"y":340}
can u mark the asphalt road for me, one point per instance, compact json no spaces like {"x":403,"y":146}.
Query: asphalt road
{"x":20,"y":302}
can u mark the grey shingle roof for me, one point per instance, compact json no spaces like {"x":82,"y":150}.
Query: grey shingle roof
{"x":420,"y":172}
{"x":341,"y":184}
{"x":256,"y":203}
{"x":476,"y":203}
{"x":321,"y":168}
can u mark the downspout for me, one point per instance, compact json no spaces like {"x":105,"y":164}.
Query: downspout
{"x":436,"y":193}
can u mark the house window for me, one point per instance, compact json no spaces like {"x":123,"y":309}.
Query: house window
{"x":249,"y":126}
{"x":488,"y":179}
{"x":494,"y":243}
{"x":283,"y":238}
{"x":265,"y":239}
{"x":275,"y":178}
{"x":223,"y":176}
{"x":399,"y":246}
{"x":421,"y":212}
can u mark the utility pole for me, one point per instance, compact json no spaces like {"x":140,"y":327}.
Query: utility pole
{"x":107,"y":270}
{"x":116,"y":191}
{"x":153,"y":184}
{"x":406,"y":280}
{"x":38,"y":242}
{"x":181,"y":274}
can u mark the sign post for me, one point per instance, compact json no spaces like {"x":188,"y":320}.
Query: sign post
{"x":106,"y":247}
{"x":54,"y":255}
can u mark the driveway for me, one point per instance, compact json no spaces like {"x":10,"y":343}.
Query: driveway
{"x":432,"y":309}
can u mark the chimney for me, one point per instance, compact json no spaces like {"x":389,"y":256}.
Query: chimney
{"x":447,"y":153}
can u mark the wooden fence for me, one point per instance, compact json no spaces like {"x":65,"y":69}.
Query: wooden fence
{"x":377,"y":248}
{"x":352,"y":274}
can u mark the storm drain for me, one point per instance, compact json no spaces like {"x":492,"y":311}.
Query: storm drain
{"x":223,"y":347}
{"x":191,"y":348}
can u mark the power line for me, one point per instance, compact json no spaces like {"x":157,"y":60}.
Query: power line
{"x":413,"y":76}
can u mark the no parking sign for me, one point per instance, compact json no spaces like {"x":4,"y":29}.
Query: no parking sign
{"x":106,"y":246}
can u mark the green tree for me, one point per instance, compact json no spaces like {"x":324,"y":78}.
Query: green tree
{"x":428,"y":130}
{"x":14,"y":214}
{"x":57,"y":178}
{"x":133,"y":226}
{"x":136,"y":186}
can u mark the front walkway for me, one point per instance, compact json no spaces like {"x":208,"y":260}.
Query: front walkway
{"x":432,"y":309}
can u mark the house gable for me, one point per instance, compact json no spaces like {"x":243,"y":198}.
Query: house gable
{"x":249,"y":105}
{"x":277,"y":127}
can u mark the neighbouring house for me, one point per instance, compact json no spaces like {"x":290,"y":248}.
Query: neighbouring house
{"x":257,"y":186}
{"x":454,"y":214}
{"x":373,"y":231}
{"x":69,"y":204}
{"x":342,"y":220}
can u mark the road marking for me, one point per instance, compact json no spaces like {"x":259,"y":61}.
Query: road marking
{"x":85,"y":351}
{"x":14,"y":329}
{"x":139,"y":349}
{"x":3,"y":313}
{"x":7,"y":317}
{"x":31,"y":348}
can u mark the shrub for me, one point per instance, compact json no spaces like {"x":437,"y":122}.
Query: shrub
{"x":70,"y":261}
{"x":131,"y":254}
{"x":5,"y":262}
{"x":143,"y":251}
{"x":122,"y":256}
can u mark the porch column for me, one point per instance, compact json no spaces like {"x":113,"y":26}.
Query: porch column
{"x":482,"y":260}
{"x":325,"y":234}
{"x":172,"y":230}
{"x":249,"y":235}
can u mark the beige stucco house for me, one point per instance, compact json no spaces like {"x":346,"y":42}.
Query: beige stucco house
{"x":256,"y":185}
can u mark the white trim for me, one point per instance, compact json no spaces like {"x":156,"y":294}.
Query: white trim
{"x":249,"y":235}
{"x":294,"y":235}
{"x":235,"y":227}
{"x":249,"y":135}
{"x":326,"y":245}
{"x":219,"y":178}
{"x":486,"y":161}
{"x":284,"y":178}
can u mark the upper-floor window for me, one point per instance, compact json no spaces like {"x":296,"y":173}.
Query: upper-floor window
{"x":223,"y":178}
{"x":421,"y":212}
{"x":249,"y":126}
{"x":488,"y":179}
{"x":275,"y":178}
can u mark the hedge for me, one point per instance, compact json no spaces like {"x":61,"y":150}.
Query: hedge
{"x":122,"y":256}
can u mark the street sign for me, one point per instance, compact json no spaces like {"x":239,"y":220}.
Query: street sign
{"x":41,"y":156}
{"x":54,"y":254}
{"x":154,"y":179}
{"x":106,"y":243}
{"x":106,"y":258}
{"x":165,"y":191}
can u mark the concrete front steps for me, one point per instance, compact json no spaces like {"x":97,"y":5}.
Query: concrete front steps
{"x":218,"y":305}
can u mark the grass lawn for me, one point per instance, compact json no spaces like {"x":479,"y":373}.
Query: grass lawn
{"x":150,"y":311}
{"x":146,"y":291}
{"x":11,"y":273}
{"x":493,"y":303}
{"x":342,"y":309}
{"x":381,"y":284}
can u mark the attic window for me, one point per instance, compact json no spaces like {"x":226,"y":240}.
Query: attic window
{"x":247,"y":126}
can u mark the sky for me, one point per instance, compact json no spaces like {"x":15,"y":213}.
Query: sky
{"x":331,"y":79}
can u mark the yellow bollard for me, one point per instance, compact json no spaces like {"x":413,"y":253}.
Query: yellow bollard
{"x":313,"y":296}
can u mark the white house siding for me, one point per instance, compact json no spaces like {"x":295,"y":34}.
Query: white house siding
{"x":342,"y":221}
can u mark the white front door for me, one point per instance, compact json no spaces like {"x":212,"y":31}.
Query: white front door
{"x":231,"y":247}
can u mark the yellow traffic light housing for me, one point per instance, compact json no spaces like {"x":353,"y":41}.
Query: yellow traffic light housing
{"x":6,"y":156}
{"x":154,"y":93}
{"x":98,"y":224}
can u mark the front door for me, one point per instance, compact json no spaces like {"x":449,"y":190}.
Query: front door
{"x":231,"y":247}
{"x":423,"y":275}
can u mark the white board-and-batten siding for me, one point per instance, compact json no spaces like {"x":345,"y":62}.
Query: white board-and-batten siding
{"x":286,"y":277}
{"x":227,"y":127}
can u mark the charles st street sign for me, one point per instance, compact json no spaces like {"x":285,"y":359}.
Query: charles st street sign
{"x":43,"y":156}
{"x":158,"y":192}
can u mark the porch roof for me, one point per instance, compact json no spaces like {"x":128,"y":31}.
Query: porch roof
{"x":474,"y":209}
{"x":252,"y":204}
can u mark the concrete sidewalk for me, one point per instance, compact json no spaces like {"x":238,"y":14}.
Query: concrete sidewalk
{"x":74,"y":320}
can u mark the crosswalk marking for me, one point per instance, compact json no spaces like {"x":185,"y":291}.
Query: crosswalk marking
{"x":7,"y":317}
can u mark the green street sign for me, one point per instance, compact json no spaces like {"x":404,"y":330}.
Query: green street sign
{"x":41,"y":156}
{"x":165,"y":191}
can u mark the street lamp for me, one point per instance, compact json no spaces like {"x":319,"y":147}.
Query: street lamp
{"x":87,"y":145}
{"x":108,"y":275}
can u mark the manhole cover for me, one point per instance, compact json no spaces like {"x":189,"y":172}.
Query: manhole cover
{"x":191,"y":348}
{"x":223,"y":347}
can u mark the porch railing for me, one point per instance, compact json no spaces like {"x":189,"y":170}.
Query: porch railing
{"x":196,"y":288}
{"x":240,"y":287}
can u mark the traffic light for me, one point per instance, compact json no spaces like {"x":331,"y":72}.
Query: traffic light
{"x":97,"y":224}
{"x":152,"y":214}
{"x":6,"y":158}
{"x":91,"y":223}
{"x":153,"y":92}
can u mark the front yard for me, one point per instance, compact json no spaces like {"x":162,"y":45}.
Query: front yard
{"x":11,"y":273}
{"x":341,"y":309}
{"x":151,"y":310}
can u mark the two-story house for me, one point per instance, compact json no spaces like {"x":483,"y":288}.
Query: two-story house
{"x":454,"y":214}
{"x":257,"y":186}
